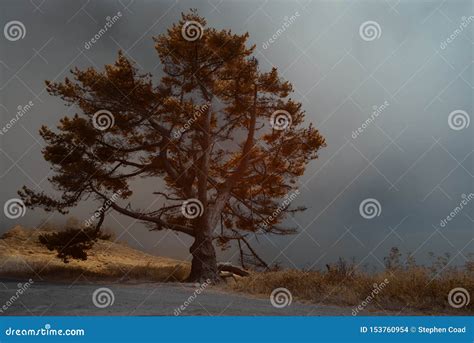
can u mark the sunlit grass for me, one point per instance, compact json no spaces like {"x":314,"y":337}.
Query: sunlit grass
{"x":410,"y":287}
{"x":22,"y":256}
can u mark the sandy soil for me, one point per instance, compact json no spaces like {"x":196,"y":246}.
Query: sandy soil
{"x":47,"y":299}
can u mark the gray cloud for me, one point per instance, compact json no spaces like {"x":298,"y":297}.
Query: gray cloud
{"x":408,"y":158}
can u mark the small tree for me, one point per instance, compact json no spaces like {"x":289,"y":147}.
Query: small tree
{"x":221,"y":137}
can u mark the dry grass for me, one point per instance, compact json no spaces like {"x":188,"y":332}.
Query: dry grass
{"x":410,"y":289}
{"x":21,"y":255}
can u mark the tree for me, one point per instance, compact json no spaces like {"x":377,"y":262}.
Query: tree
{"x":72,"y":243}
{"x":221,"y":137}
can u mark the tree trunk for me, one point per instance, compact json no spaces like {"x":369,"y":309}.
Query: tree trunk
{"x":204,"y":262}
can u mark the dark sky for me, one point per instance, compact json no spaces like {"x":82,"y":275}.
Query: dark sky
{"x":410,"y":158}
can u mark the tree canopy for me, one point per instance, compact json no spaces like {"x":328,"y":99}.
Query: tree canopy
{"x":223,"y":138}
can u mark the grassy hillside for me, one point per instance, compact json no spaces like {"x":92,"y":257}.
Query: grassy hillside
{"x":21,"y":255}
{"x":407,"y":288}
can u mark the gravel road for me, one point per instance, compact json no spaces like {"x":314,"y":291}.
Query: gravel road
{"x":149,"y":299}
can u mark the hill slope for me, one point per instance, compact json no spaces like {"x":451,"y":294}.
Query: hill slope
{"x":21,"y":255}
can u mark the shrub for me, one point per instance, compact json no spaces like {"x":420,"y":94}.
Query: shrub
{"x":72,"y":242}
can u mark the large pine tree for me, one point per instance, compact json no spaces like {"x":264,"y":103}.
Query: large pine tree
{"x":223,"y":136}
